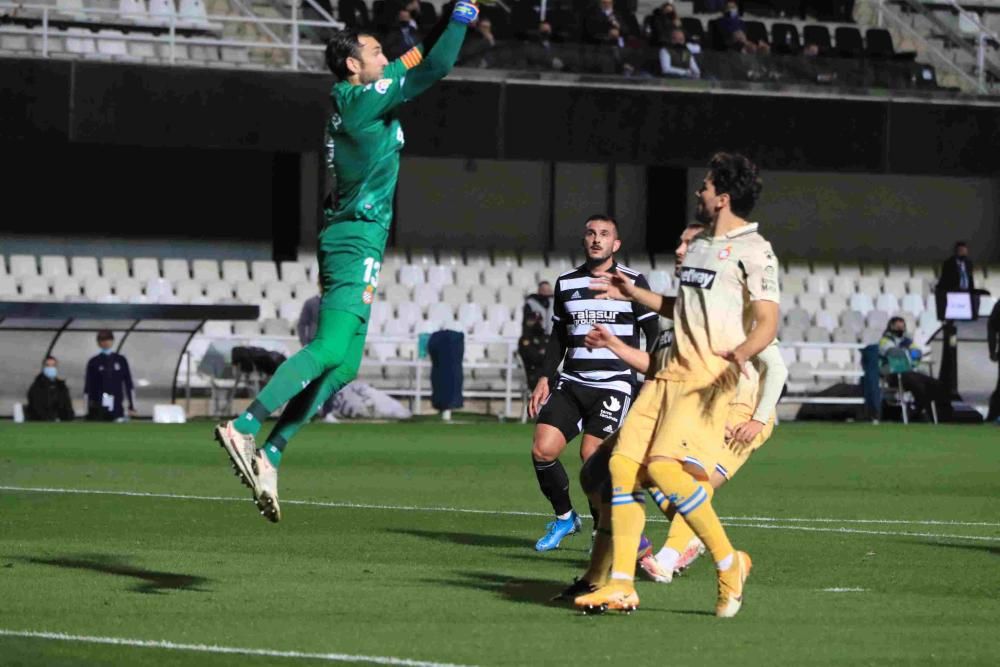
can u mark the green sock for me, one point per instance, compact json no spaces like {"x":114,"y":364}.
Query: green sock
{"x":273,"y":450}
{"x":250,"y":421}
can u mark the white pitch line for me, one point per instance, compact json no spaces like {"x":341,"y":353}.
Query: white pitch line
{"x":236,"y":650}
{"x":757,"y":522}
{"x":843,"y":590}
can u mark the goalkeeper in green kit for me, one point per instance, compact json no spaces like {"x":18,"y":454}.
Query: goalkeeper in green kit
{"x":364,"y":138}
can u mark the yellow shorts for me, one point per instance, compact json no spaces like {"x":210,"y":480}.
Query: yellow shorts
{"x":730,"y":461}
{"x":673,"y":419}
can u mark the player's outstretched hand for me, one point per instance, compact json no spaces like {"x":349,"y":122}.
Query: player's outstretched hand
{"x":612,"y":286}
{"x":598,"y":336}
{"x":538,"y":397}
{"x":465,"y":12}
{"x":740,"y":436}
{"x":737,"y":358}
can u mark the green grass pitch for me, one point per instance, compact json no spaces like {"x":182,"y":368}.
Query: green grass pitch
{"x":871,"y":546}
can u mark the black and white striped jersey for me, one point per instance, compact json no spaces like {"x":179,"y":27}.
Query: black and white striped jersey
{"x":576,"y":310}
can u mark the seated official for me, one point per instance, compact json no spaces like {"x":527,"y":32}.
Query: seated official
{"x":899,"y":357}
{"x":48,"y":397}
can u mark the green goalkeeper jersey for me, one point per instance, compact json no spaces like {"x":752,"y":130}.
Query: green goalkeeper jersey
{"x":364,"y":135}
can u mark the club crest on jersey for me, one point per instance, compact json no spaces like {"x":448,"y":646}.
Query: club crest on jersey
{"x":612,"y":404}
{"x":726,"y":252}
{"x":382,"y":86}
{"x":699,"y":278}
{"x":369,"y":295}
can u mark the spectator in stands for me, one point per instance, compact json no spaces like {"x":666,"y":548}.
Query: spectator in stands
{"x":676,"y":60}
{"x":403,"y":33}
{"x":993,"y":339}
{"x":479,"y":42}
{"x":810,"y":51}
{"x":531,"y":346}
{"x":354,"y":13}
{"x":730,"y":23}
{"x":740,"y":43}
{"x":659,"y":26}
{"x":108,"y":382}
{"x":540,"y":50}
{"x":48,"y":397}
{"x":896,"y":345}
{"x":604,"y":26}
{"x":540,"y":305}
{"x":306,"y":330}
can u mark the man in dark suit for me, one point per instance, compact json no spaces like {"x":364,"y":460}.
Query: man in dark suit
{"x":956,"y":272}
{"x":993,"y":338}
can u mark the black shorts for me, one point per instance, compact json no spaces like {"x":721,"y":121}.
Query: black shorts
{"x":574,"y":408}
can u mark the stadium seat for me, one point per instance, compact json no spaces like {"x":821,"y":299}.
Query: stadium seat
{"x":785,"y":39}
{"x":798,"y":317}
{"x":111,"y":43}
{"x":825,"y":269}
{"x":248,"y":292}
{"x":871,"y":335}
{"x":895,"y":285}
{"x":411,"y":275}
{"x":203,"y":270}
{"x":483,"y":295}
{"x":425,"y":295}
{"x":818,"y":284}
{"x":826,"y":320}
{"x":217,"y":328}
{"x":192,"y":11}
{"x":844,"y":285}
{"x":96,"y":288}
{"x":467,"y":276}
{"x":912,"y":304}
{"x":928,"y":320}
{"x":304,"y":289}
{"x":877,"y":319}
{"x":8,"y":288}
{"x":53,"y":266}
{"x":845,"y":335}
{"x":788,"y":354}
{"x":792,"y":285}
{"x":293,"y":272}
{"x":898,"y":271}
{"x":11,"y":43}
{"x":440,"y":313}
{"x":159,"y":289}
{"x":235,"y":271}
{"x":409,"y":313}
{"x":246,"y":328}
{"x":487,"y":329}
{"x":496,"y":277}
{"x":176,"y":269}
{"x":817,"y":335}
{"x":264,"y":272}
{"x":533,"y":261}
{"x":812,"y":356}
{"x":161,"y":11}
{"x":510,"y":298}
{"x":396,"y":294}
{"x":219,"y":291}
{"x":439,"y":276}
{"x":145,"y":268}
{"x":469,"y":314}
{"x":35,"y":288}
{"x":23,"y":266}
{"x":792,"y":334}
{"x":511,"y":329}
{"x":797,"y":267}
{"x":72,"y":8}
{"x":852,"y":320}
{"x":918,"y":286}
{"x":277,"y":292}
{"x":887,"y":303}
{"x":82,"y":267}
{"x":818,"y":35}
{"x":849,"y":42}
{"x":267,"y":310}
{"x":505,"y":259}
{"x":835,"y":303}
{"x":525,"y":280}
{"x":878,"y":44}
{"x":851,"y":270}
{"x":861,"y":302}
{"x":926,"y":271}
{"x":498,"y":312}
{"x":277,"y":327}
{"x":870,"y":285}
{"x":65,"y":288}
{"x":810,"y":302}
{"x":290,"y":310}
{"x":186,"y":290}
{"x":454,"y":295}
{"x":80,"y":41}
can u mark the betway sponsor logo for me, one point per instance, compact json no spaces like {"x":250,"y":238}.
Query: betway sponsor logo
{"x":700,"y":278}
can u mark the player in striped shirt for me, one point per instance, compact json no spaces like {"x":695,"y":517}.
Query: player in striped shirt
{"x":593,"y":392}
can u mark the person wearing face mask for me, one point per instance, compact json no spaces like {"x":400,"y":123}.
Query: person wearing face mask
{"x":48,"y":396}
{"x":109,"y":382}
{"x":659,"y":26}
{"x":925,"y":389}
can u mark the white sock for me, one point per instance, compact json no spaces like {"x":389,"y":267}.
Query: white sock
{"x":618,"y":576}
{"x":725,"y":563}
{"x":563,"y":517}
{"x":668,"y":558}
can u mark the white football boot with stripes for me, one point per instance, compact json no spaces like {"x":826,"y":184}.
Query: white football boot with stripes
{"x":241,"y":449}
{"x":267,"y":483}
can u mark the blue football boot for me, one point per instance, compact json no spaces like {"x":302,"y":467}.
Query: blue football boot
{"x":557,"y":530}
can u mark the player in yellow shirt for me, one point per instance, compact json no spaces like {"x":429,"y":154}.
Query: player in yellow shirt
{"x":725,"y":313}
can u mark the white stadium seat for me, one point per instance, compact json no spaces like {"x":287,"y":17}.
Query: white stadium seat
{"x":533,"y":261}
{"x":440,"y":313}
{"x":487,"y":329}
{"x":824,"y":269}
{"x":158,"y":289}
{"x":887,"y":302}
{"x":277,"y":327}
{"x":876,"y":269}
{"x":114,"y":268}
{"x":792,"y":334}
{"x":290,"y":311}
{"x":235,"y":271}
{"x":264,"y":272}
{"x":246,"y":328}
{"x":71,"y":7}
{"x":898,"y":271}
{"x":277,"y":292}
{"x":422,"y":257}
{"x":176,"y":269}
{"x":132,"y":10}
{"x":835,"y":303}
{"x":818,"y":284}
{"x":397,"y":294}
{"x":788,"y":354}
{"x":840,"y":356}
{"x":54,"y":266}
{"x":396,"y":328}
{"x":928,"y":320}
{"x":845,"y":335}
{"x":409,"y":313}
{"x":894,"y":285}
{"x":469,"y":314}
{"x":187,"y":290}
{"x":96,"y":288}
{"x":450,"y":258}
{"x":145,"y":268}
{"x":411,"y":275}
{"x":23,"y":266}
{"x":293,"y":272}
{"x":80,"y":41}
{"x":205,"y":270}
{"x":511,"y":329}
{"x":511,"y":298}
{"x":798,"y":317}
{"x":844,"y":285}
{"x":496,"y":277}
{"x":8,"y":288}
{"x":817,"y":335}
{"x":505,"y":259}
{"x":853,"y":320}
{"x":454,"y":295}
{"x":870,"y":285}
{"x":849,"y":270}
{"x":474,"y":353}
{"x":467,"y":276}
{"x":877,"y":319}
{"x":861,"y":303}
{"x":425,"y":295}
{"x":792,"y":285}
{"x":217,"y":328}
{"x":35,"y":288}
{"x":65,"y":288}
{"x":525,"y":280}
{"x":811,"y":355}
{"x":381,"y":312}
{"x":826,"y":319}
{"x":192,"y":11}
{"x":871,"y":335}
{"x":267,"y":310}
{"x":912,"y":304}
{"x":83,"y":267}
{"x":219,"y":291}
{"x":498,"y":312}
{"x":483,"y":295}
{"x":248,"y":292}
{"x":112,"y":43}
{"x":810,"y":302}
{"x":439,"y":276}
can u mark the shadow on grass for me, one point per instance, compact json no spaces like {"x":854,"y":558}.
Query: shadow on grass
{"x":513,"y":589}
{"x":150,"y":581}
{"x":468,"y":539}
{"x":984,"y":548}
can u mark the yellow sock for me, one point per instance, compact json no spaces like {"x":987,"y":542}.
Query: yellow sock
{"x":627,"y":516}
{"x":680,"y":531}
{"x":601,"y":555}
{"x":693,"y":503}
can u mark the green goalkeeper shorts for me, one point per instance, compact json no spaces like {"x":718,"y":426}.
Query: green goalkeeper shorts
{"x":350,"y":259}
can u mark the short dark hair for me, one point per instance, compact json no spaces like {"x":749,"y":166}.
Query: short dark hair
{"x":735,"y":175}
{"x":544,"y":282}
{"x":105,"y":334}
{"x":602,"y":217}
{"x":893,"y":320}
{"x":343,"y":44}
{"x":960,"y":244}
{"x":50,"y":357}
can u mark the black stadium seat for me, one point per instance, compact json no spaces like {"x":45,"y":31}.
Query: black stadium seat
{"x":849,"y":44}
{"x":818,"y":35}
{"x":785,"y":39}
{"x":878,"y":43}
{"x":756,"y":32}
{"x":693,"y":29}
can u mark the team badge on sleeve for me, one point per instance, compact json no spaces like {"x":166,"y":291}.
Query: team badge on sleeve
{"x":382,"y":86}
{"x":368,"y":296}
